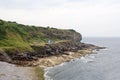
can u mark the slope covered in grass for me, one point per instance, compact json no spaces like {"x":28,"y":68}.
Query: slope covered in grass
{"x":19,"y":37}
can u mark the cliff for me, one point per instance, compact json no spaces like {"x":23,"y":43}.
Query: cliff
{"x":19,"y":39}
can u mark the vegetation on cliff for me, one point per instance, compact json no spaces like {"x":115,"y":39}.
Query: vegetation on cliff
{"x":39,"y":73}
{"x":18,"y":38}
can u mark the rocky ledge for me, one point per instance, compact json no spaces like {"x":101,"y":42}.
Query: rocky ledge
{"x":49,"y":54}
{"x":67,"y":56}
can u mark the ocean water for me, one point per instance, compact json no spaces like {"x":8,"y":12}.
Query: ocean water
{"x":105,"y":65}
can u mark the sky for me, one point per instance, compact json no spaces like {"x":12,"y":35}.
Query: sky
{"x":92,"y":18}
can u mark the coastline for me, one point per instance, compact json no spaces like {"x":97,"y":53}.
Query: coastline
{"x":41,"y":64}
{"x":52,"y":61}
{"x":56,"y":60}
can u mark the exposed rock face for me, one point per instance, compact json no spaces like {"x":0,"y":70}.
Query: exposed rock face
{"x":63,"y":34}
{"x":77,"y":37}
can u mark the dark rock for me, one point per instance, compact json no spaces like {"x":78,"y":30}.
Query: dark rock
{"x":45,"y":51}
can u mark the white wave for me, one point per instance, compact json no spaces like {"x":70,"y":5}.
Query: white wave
{"x":82,"y":58}
{"x":92,"y":56}
{"x":46,"y":76}
{"x":62,"y":64}
{"x":87,"y":59}
{"x":47,"y":68}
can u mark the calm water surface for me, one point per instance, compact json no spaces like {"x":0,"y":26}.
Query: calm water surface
{"x":105,"y":65}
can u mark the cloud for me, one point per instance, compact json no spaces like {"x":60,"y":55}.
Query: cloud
{"x":30,"y":4}
{"x":91,"y":18}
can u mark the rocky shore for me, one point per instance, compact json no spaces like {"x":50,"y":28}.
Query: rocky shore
{"x":66,"y":57}
{"x":36,"y":73}
{"x":50,"y":54}
{"x":56,"y":60}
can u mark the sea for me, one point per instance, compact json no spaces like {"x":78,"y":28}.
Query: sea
{"x":100,"y":65}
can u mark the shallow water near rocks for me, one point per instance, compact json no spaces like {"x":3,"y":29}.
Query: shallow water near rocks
{"x":101,"y":66}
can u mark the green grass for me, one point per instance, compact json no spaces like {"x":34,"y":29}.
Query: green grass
{"x":20,"y":37}
{"x":39,"y":73}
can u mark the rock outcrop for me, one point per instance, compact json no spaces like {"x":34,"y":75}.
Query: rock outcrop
{"x":41,"y":52}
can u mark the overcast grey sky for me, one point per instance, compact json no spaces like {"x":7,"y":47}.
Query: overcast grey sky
{"x":92,"y":18}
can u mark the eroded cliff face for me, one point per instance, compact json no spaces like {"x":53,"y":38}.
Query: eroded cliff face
{"x":69,"y":34}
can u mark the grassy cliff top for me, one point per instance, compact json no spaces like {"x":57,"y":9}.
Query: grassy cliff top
{"x":19,"y":37}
